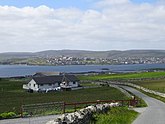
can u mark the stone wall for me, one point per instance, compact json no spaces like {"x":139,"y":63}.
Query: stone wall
{"x":83,"y":116}
{"x":138,"y":87}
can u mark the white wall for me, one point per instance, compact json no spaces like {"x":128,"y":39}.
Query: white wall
{"x":32,"y":85}
{"x":47,"y":86}
{"x":70,"y":84}
{"x":73,"y":84}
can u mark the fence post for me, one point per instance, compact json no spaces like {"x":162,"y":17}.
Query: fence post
{"x":137,"y":102}
{"x":75,"y":107}
{"x":98,"y":101}
{"x":21,"y":111}
{"x":122,"y":103}
{"x":64,"y":107}
{"x":128,"y":103}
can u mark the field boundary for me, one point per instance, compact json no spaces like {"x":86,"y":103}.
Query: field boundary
{"x":136,"y":86}
{"x":31,"y":109}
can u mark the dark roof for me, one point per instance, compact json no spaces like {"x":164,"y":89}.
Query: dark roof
{"x":41,"y":74}
{"x":55,"y":79}
{"x":71,"y":78}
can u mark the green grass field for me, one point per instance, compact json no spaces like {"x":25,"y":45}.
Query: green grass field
{"x":12,"y":96}
{"x":157,"y":85}
{"x":88,"y":84}
{"x":123,"y":76}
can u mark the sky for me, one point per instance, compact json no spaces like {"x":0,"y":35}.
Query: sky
{"x":37,"y":25}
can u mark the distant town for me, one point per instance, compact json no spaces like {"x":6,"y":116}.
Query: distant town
{"x":82,"y":57}
{"x":65,"y":60}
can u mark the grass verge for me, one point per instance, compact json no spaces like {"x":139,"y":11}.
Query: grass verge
{"x":156,"y":85}
{"x":153,"y":95}
{"x":116,"y":115}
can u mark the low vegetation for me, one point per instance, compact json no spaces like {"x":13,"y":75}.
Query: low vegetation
{"x":7,"y":115}
{"x":157,"y":85}
{"x":13,"y":96}
{"x":153,"y":95}
{"x":88,"y":84}
{"x":117,"y":115}
{"x":124,"y":76}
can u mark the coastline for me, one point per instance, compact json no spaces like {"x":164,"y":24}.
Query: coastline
{"x":25,"y":70}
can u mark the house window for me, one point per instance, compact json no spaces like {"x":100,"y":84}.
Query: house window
{"x":41,"y":84}
{"x":29,"y":84}
{"x":34,"y":85}
{"x":74,"y":82}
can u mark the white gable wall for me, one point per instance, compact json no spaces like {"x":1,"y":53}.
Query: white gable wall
{"x":32,"y":85}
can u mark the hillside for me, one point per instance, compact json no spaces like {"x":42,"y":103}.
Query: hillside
{"x":82,"y":53}
{"x":79,"y":57}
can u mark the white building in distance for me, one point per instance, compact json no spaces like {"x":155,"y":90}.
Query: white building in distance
{"x":44,"y":83}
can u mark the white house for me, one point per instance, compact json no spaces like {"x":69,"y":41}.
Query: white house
{"x":52,"y":82}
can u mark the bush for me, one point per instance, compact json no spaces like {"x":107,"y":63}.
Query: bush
{"x":6,"y":115}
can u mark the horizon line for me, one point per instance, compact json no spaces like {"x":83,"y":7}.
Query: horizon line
{"x":82,"y":50}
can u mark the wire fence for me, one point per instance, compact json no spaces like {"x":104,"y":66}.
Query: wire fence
{"x":63,"y":107}
{"x":41,"y":109}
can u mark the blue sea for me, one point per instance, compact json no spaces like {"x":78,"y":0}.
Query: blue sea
{"x":22,"y":70}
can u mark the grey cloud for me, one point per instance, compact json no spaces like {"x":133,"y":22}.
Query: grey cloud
{"x":122,"y":26}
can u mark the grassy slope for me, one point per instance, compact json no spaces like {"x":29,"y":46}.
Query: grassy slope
{"x":157,"y":85}
{"x":154,"y":96}
{"x":119,"y":115}
{"x":123,"y":76}
{"x":12,"y":96}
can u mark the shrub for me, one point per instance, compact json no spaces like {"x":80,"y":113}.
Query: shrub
{"x":7,"y":115}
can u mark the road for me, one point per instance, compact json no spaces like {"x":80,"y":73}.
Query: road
{"x":154,"y":113}
{"x":32,"y":120}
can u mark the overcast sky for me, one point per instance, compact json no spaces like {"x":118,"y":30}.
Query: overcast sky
{"x":37,"y":25}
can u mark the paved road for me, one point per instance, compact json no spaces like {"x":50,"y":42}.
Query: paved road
{"x":154,"y":113}
{"x":35,"y":120}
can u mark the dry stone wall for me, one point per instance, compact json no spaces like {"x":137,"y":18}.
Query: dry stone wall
{"x":84,"y":115}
